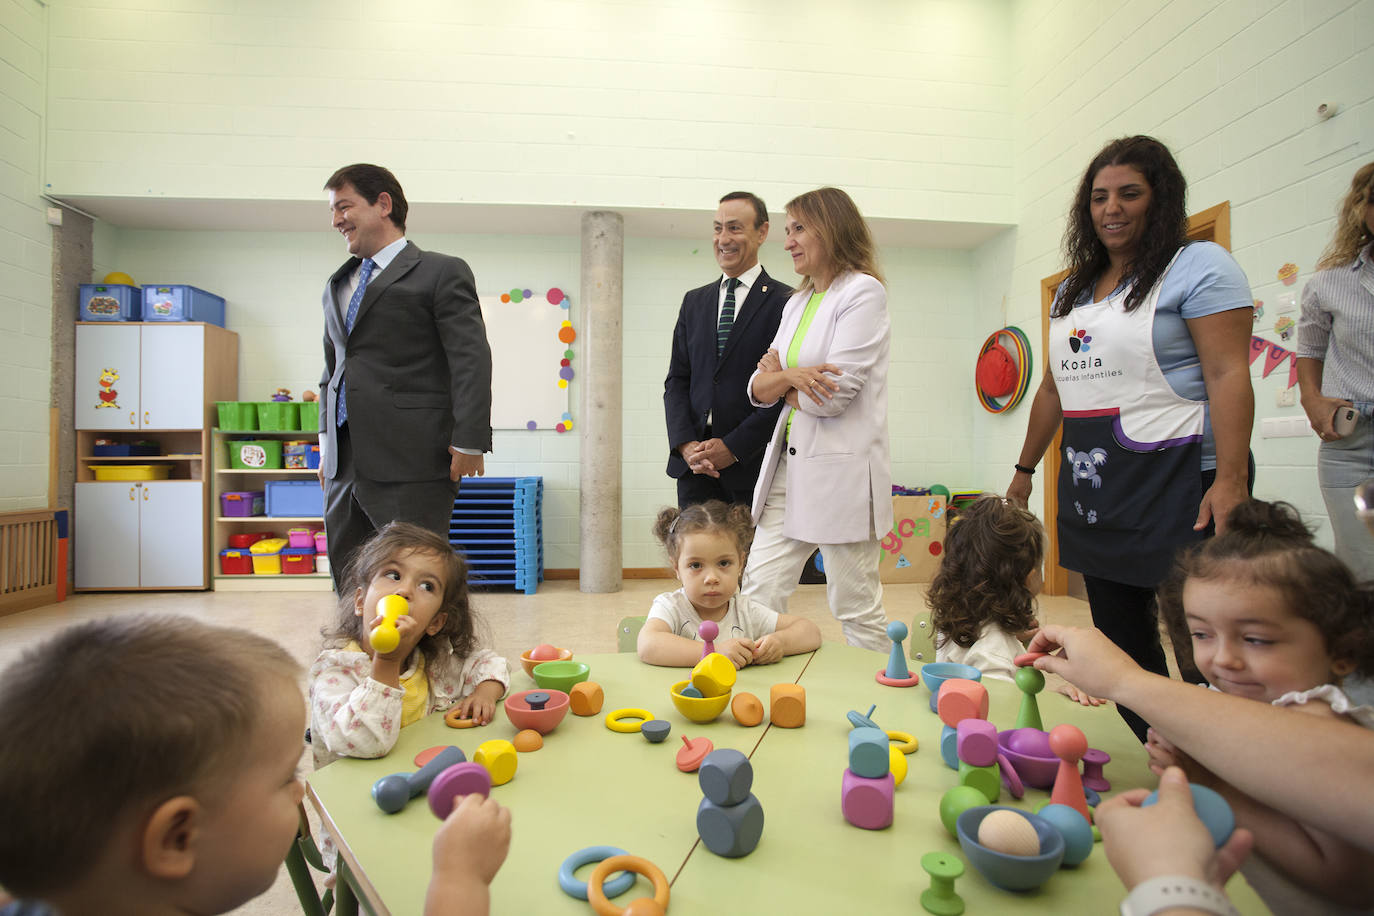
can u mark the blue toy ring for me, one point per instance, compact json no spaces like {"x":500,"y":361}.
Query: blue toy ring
{"x":575,"y":888}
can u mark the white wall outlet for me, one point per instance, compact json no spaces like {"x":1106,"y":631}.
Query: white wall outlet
{"x":1286,"y":397}
{"x":1284,"y":427}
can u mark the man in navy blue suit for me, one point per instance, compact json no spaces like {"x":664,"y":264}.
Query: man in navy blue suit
{"x":716,"y":436}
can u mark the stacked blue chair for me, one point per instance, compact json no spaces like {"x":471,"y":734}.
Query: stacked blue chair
{"x":498,"y":524}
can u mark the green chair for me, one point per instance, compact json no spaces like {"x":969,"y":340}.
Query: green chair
{"x":300,"y":859}
{"x":627,"y":633}
{"x":922,"y":636}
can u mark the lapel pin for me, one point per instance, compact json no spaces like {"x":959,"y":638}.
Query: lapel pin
{"x":764,"y":290}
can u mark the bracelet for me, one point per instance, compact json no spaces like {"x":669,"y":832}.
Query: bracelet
{"x":1023,"y":469}
{"x":1171,"y":891}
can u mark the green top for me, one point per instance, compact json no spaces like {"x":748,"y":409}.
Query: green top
{"x":794,"y":348}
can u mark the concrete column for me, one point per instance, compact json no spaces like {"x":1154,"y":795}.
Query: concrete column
{"x":72,"y":263}
{"x":600,"y":377}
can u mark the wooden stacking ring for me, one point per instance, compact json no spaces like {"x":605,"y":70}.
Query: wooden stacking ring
{"x":908,"y":743}
{"x":614,"y":724}
{"x":597,"y":897}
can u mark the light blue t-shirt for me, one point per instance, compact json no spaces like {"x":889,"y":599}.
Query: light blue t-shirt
{"x":1203,"y":280}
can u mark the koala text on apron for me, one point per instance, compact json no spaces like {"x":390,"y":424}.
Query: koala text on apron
{"x":1130,"y":482}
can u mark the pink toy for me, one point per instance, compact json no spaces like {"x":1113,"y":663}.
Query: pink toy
{"x":961,"y":699}
{"x":455,"y":782}
{"x":1069,"y":744}
{"x":1035,"y":769}
{"x":1093,"y":762}
{"x":976,"y":743}
{"x":867,"y":803}
{"x":1010,"y":778}
{"x":1026,"y":659}
{"x":708,"y":631}
{"x":689,"y":758}
{"x":544,"y":653}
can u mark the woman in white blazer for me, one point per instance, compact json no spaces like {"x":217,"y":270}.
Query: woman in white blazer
{"x":826,"y":480}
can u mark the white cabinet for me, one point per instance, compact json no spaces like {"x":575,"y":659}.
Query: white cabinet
{"x":140,"y":534}
{"x":140,"y":376}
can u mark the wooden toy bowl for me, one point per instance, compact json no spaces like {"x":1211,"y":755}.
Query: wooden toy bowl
{"x":529,"y":664}
{"x":701,"y":710}
{"x":560,"y":675}
{"x":541,"y":720}
{"x":1011,"y":873}
{"x":1021,"y":746}
{"x":936,"y":673}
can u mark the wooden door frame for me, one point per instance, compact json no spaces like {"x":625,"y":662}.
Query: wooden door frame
{"x":1210,"y":225}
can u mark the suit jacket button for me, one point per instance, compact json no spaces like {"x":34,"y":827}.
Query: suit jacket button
{"x":791,"y":450}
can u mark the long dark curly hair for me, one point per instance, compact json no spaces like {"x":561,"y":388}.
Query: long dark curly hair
{"x":396,"y":539}
{"x":991,"y":549}
{"x":1166,"y":223}
{"x":1267,"y":544}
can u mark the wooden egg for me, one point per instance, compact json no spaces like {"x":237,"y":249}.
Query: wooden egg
{"x":528,"y":740}
{"x":544,"y":652}
{"x":1008,"y":832}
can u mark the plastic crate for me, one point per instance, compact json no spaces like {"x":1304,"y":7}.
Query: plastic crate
{"x":237,"y":414}
{"x":178,"y":302}
{"x":497,"y":523}
{"x":241,"y":503}
{"x":300,"y":538}
{"x":255,"y":454}
{"x":310,"y":416}
{"x":235,"y":562}
{"x":298,"y":561}
{"x":103,"y":449}
{"x":267,"y":556}
{"x":110,"y":302}
{"x":295,"y":499}
{"x":279,"y":416}
{"x":131,"y":471}
{"x":247,"y":539}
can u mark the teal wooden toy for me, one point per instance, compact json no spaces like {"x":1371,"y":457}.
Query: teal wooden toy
{"x":897,"y":674}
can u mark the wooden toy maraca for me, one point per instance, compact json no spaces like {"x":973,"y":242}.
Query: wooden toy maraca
{"x":385,"y":637}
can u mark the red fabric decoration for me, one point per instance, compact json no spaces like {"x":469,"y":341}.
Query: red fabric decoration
{"x":996,"y":374}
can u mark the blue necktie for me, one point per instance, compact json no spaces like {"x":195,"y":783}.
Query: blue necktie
{"x":341,"y":414}
{"x":727,"y":315}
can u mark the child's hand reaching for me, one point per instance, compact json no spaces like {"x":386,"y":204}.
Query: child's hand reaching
{"x":480,"y":705}
{"x":1078,"y":696}
{"x":741,"y":651}
{"x":468,"y":850}
{"x":768,"y":650}
{"x":1163,"y":755}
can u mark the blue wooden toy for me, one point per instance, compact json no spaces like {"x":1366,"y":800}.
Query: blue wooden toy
{"x":868,"y":752}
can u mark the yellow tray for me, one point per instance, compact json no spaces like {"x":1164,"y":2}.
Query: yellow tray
{"x":132,"y":471}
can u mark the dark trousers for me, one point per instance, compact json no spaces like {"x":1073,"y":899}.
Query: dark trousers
{"x":699,"y":488}
{"x":355,"y":508}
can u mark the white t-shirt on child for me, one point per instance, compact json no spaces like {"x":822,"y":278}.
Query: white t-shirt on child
{"x":991,"y":653}
{"x":744,"y":618}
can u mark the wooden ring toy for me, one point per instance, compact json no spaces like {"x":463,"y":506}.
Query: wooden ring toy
{"x":597,"y":897}
{"x":1021,"y":344}
{"x":629,"y":712}
{"x":886,"y":681}
{"x":908,"y":743}
{"x":575,"y":888}
{"x":453,"y":720}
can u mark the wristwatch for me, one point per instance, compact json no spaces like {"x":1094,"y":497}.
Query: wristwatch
{"x":1170,"y":891}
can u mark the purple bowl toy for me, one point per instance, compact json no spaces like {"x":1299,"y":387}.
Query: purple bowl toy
{"x":1028,"y":749}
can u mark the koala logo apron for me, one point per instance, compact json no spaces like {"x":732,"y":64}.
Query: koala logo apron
{"x":1130,"y":478}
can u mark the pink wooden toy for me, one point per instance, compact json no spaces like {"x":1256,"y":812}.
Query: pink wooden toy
{"x":1093,"y":762}
{"x":1026,"y":659}
{"x":1069,"y":744}
{"x":708,"y":631}
{"x":976,"y":743}
{"x":961,"y":699}
{"x":867,"y":803}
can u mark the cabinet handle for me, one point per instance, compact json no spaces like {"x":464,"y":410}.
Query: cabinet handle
{"x":131,"y":493}
{"x":146,"y":420}
{"x":133,"y":418}
{"x":145,"y":494}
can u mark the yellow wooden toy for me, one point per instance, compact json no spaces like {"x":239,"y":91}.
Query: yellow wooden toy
{"x":499,"y":757}
{"x":385,"y":637}
{"x":896,"y":764}
{"x":714,"y":675}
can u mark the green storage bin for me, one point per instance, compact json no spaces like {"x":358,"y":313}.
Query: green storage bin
{"x":310,"y":416}
{"x":279,"y":416}
{"x":255,"y":454}
{"x":237,"y":414}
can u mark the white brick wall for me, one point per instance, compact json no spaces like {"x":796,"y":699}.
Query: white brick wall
{"x":25,"y":261}
{"x":649,"y":105}
{"x":1232,"y":87}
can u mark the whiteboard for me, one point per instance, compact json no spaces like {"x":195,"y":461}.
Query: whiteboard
{"x":531,"y":337}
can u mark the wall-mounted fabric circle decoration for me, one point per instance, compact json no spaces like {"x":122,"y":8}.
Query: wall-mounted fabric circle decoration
{"x":1003,"y":369}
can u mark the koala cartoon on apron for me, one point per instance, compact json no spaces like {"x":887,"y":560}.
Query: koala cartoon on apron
{"x":1130,"y":482}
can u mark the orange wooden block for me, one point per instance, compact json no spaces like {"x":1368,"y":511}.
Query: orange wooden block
{"x":962,"y":699}
{"x":746,"y":709}
{"x":787,"y":705}
{"x":586,"y":698}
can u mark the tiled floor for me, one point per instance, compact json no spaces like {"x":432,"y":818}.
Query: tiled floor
{"x":559,"y":614}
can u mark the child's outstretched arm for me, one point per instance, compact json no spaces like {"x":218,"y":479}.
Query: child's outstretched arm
{"x":658,"y":645}
{"x":468,"y":851}
{"x":793,"y":634}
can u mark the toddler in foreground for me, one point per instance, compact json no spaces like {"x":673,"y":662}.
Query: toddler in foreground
{"x":360,"y":699}
{"x":708,"y":545}
{"x":982,"y":599}
{"x":1275,"y":618}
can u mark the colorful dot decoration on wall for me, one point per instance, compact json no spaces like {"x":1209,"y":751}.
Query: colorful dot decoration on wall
{"x":566,"y":335}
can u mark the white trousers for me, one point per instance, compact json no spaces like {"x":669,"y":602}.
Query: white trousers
{"x":852,"y":586}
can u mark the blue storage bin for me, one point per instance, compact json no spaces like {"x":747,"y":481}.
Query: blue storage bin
{"x":182,"y":303}
{"x":295,"y":499}
{"x":110,"y":302}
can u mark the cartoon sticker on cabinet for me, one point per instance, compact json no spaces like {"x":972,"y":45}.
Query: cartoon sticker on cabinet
{"x":109,"y":397}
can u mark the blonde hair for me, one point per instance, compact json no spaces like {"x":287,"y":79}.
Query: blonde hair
{"x":835,"y":219}
{"x":1352,"y":233}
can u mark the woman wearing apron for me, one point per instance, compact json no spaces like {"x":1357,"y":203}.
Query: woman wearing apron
{"x":826,"y":480}
{"x":1148,"y":371}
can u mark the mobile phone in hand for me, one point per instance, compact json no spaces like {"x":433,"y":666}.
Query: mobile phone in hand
{"x":1344,"y":421}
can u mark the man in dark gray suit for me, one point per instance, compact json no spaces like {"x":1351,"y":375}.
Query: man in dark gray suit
{"x":405,"y":398}
{"x":715,"y":436}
